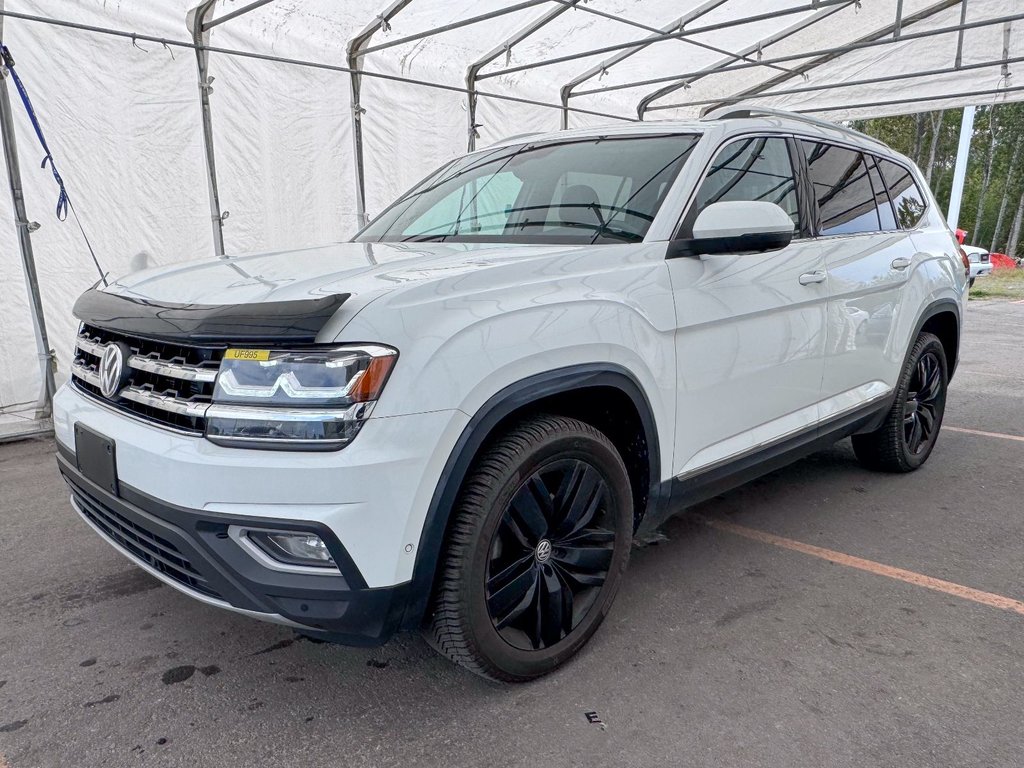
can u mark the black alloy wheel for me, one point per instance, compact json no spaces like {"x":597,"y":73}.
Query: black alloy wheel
{"x":920,"y":409}
{"x":906,"y":437}
{"x":539,"y":541}
{"x":550,"y":555}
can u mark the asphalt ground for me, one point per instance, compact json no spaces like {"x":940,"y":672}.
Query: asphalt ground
{"x":722,"y":649}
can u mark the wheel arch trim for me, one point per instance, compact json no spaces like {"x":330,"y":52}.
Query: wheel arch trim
{"x":500,"y":405}
{"x":934,"y":309}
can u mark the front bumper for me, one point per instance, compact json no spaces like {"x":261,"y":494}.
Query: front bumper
{"x":980,"y":269}
{"x":373,"y":495}
{"x":192,"y":552}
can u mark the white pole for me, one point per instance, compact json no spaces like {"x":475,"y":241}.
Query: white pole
{"x":956,"y":195}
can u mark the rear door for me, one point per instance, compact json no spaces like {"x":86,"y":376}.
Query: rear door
{"x":750,"y":337}
{"x":868,"y":259}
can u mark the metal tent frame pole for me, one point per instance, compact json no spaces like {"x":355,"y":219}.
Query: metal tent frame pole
{"x":199,"y":26}
{"x":845,"y":84}
{"x":879,"y":35}
{"x":756,"y":48}
{"x":930,"y":98}
{"x":504,"y":47}
{"x":28,"y":262}
{"x":357,"y":47}
{"x":566,"y":91}
{"x":837,"y":50}
{"x":814,"y":5}
{"x":172,"y":43}
{"x":956,"y":194}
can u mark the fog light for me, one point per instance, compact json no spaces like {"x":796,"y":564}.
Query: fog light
{"x":299,"y":548}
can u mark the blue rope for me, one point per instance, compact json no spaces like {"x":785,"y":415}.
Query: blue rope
{"x":62,"y":197}
{"x":63,"y":201}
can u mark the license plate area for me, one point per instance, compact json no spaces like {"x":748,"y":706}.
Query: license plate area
{"x":96,"y":457}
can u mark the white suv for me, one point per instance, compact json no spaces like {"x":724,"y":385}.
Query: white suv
{"x":458,"y":420}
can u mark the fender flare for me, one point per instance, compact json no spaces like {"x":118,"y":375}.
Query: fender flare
{"x":931,"y":310}
{"x":489,"y":415}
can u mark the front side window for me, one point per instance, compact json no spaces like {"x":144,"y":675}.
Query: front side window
{"x":846,"y":201}
{"x":595,"y":190}
{"x":758,"y":169}
{"x":906,"y":197}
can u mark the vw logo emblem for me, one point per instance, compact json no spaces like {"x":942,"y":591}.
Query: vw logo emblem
{"x":543,"y":551}
{"x":111,"y":370}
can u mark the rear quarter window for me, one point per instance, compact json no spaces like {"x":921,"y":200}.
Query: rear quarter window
{"x":907,"y":198}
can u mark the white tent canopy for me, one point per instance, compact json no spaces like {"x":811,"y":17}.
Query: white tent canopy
{"x":115,"y":89}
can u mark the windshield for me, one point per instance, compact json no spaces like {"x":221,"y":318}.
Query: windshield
{"x":595,"y":190}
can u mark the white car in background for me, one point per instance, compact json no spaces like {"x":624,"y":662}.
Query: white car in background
{"x":981,"y":263}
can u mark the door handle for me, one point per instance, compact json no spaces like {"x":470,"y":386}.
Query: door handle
{"x":817,"y":276}
{"x":900,"y":262}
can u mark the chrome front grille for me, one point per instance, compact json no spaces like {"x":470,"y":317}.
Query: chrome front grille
{"x":169,"y":384}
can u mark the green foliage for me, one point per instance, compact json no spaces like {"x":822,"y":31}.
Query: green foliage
{"x":998,"y":129}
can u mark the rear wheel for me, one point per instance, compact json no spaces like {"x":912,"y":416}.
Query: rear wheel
{"x":906,"y":438}
{"x":538,"y":546}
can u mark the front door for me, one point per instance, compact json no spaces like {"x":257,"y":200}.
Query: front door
{"x":750,"y":337}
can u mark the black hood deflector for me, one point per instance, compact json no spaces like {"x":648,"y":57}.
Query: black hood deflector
{"x":296,"y":322}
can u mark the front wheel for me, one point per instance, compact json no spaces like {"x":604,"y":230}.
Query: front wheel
{"x":540,"y":539}
{"x":908,"y":434}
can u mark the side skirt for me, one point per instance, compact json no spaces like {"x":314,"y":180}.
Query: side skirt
{"x":688,"y":490}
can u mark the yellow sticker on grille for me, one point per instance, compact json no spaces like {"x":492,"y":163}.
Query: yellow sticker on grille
{"x":247,"y":354}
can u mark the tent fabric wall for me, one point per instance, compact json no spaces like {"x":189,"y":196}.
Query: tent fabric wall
{"x":124,"y":123}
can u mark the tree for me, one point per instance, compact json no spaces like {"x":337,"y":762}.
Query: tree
{"x":1005,"y":196}
{"x":994,"y":184}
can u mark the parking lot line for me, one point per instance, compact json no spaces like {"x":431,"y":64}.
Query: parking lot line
{"x":982,"y":433}
{"x":957,"y":590}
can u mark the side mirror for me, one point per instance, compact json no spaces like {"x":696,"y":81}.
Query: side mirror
{"x":741,"y":226}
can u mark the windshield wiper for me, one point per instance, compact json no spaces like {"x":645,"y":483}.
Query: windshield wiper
{"x":426,"y":238}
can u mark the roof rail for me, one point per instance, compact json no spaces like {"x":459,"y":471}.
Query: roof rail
{"x":736,"y":111}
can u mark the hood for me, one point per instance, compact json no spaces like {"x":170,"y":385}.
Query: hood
{"x":312,"y":273}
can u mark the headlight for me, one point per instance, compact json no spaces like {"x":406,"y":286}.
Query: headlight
{"x":299,"y":400}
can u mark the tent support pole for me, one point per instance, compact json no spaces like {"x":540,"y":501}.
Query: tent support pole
{"x":738,"y":21}
{"x":356,"y":48}
{"x":960,"y":169}
{"x":679,"y":24}
{"x":196,"y":21}
{"x":960,"y":35}
{"x":831,"y":53}
{"x":724,"y":64}
{"x":902,"y":78}
{"x":43,"y":409}
{"x":505,"y":47}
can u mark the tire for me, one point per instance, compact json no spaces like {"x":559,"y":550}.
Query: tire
{"x":970,"y":283}
{"x":509,"y":606}
{"x":907,"y":436}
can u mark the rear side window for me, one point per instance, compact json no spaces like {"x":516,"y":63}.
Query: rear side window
{"x":846,"y":201}
{"x":906,"y":197}
{"x":885,"y":215}
{"x":751,"y":169}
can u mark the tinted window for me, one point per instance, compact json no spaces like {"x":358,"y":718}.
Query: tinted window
{"x":906,"y":197}
{"x":597,"y":190}
{"x":882,"y":205}
{"x":752,"y":169}
{"x":846,"y":202}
